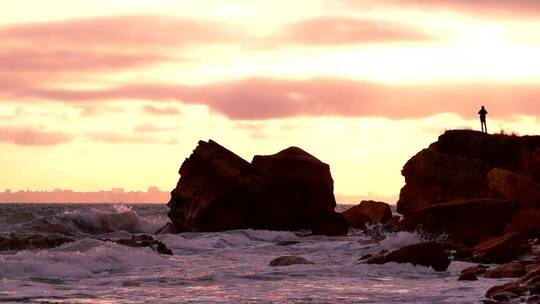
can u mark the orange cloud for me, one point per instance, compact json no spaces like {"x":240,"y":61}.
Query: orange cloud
{"x":332,"y":30}
{"x":32,"y":137}
{"x":263,"y":98}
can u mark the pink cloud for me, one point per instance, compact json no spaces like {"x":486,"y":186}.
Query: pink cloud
{"x":148,"y":109}
{"x":150,"y":128}
{"x":479,"y":7}
{"x":331,"y":30}
{"x":117,"y":138}
{"x":32,"y":137}
{"x":263,"y":98}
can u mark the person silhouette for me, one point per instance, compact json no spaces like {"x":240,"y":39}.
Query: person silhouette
{"x":483,"y":114}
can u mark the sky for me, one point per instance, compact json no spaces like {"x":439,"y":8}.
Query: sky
{"x":117,"y":93}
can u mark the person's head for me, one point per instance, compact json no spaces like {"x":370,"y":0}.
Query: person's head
{"x":482,"y":107}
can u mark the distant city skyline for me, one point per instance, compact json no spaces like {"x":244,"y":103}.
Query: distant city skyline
{"x":153,"y":194}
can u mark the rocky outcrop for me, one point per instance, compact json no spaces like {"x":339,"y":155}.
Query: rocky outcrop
{"x":474,"y":187}
{"x":468,"y":221}
{"x":368,"y":212}
{"x":428,"y":254}
{"x":289,"y":260}
{"x":456,"y":167}
{"x":220,"y":191}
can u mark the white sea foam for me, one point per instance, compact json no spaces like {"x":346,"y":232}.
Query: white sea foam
{"x":79,"y":259}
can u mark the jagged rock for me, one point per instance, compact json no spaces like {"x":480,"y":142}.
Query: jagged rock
{"x":510,"y":270}
{"x":220,"y":191}
{"x":368,"y":212}
{"x":456,"y":168}
{"x":288,"y":261}
{"x":428,"y":254}
{"x":143,"y":241}
{"x":501,"y":249}
{"x":34,"y":241}
{"x":432,"y":177}
{"x":513,"y":186}
{"x":466,"y":221}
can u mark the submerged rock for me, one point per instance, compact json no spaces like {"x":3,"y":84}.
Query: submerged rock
{"x":144,"y":241}
{"x":368,"y":212}
{"x":428,"y":254}
{"x":34,"y":241}
{"x":219,"y":191}
{"x":289,"y":260}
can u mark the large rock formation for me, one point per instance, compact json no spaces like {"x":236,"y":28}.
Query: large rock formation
{"x":219,"y":191}
{"x":425,"y":254}
{"x":456,"y":167}
{"x":470,"y":185}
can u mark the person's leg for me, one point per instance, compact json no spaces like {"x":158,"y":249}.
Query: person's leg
{"x":485,"y":126}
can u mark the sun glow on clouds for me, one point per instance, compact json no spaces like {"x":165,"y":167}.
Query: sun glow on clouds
{"x":100,"y":94}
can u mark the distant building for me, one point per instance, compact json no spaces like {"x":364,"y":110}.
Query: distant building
{"x":153,"y":189}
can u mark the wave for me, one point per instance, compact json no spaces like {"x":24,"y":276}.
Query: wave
{"x":93,"y":221}
{"x":82,"y":258}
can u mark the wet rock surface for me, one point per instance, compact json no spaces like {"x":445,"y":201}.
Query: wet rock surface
{"x":428,"y":254}
{"x":289,"y":260}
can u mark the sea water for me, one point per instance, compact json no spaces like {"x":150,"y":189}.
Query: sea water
{"x":222,"y":267}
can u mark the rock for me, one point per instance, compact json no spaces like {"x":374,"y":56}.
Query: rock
{"x":432,"y":177}
{"x":509,"y":270}
{"x":330,"y":224}
{"x":368,"y":212}
{"x":456,"y":168}
{"x":303,"y":174}
{"x":468,"y":276}
{"x":460,"y":251}
{"x":287,"y":243}
{"x":143,"y":241}
{"x":513,"y":186}
{"x":424,"y":254}
{"x":33,"y":241}
{"x":535,"y":299}
{"x":467,"y":221}
{"x":288,"y":261}
{"x":501,"y":249}
{"x":477,"y":270}
{"x":131,"y":284}
{"x":525,"y":223}
{"x":503,"y":296}
{"x":493,"y":290}
{"x":220,"y":191}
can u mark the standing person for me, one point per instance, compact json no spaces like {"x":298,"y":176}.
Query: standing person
{"x":483,"y":114}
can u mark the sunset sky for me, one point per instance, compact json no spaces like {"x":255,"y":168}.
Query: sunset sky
{"x":116,"y":93}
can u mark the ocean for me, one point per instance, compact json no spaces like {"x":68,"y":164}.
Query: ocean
{"x":222,"y":267}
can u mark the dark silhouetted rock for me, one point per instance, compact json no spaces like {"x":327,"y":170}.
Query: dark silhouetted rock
{"x":468,"y":276}
{"x":467,"y":221}
{"x":428,"y":254}
{"x":143,"y":241}
{"x":368,"y":212}
{"x":330,"y":224}
{"x":220,"y":191}
{"x":502,"y":249}
{"x":525,"y":223}
{"x":288,"y":261}
{"x":433,"y":177}
{"x":456,"y":167}
{"x":477,"y":270}
{"x":33,"y":241}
